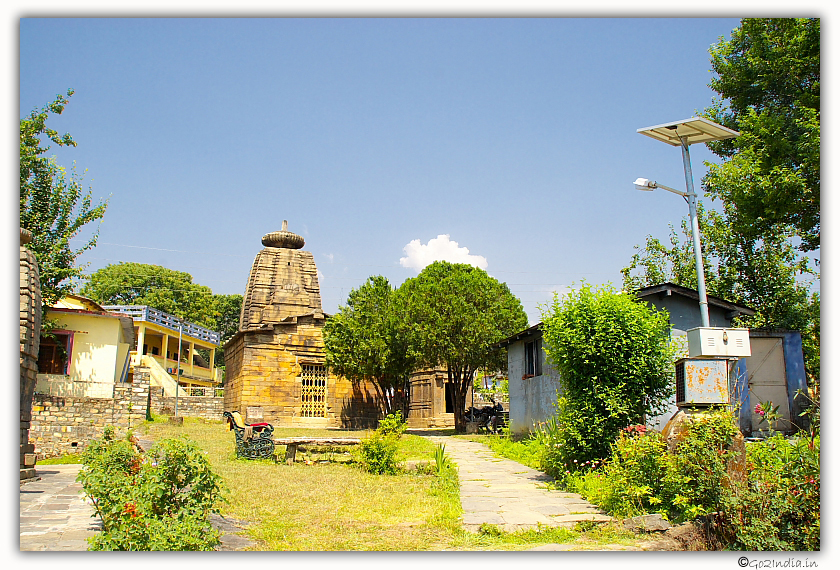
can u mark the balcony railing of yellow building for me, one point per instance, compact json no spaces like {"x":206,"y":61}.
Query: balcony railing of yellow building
{"x":161,"y":318}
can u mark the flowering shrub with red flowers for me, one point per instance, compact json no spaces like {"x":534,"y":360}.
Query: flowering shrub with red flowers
{"x":777,"y":507}
{"x":769,"y":414}
{"x":154,"y":501}
{"x":635,"y":430}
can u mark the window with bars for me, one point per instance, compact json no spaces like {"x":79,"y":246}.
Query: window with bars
{"x":313,"y":395}
{"x":533,"y":364}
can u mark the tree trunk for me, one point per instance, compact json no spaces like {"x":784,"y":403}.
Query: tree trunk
{"x":460,"y":378}
{"x":406,"y":399}
{"x":382,"y":396}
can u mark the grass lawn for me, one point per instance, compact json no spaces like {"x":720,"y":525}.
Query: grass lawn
{"x":67,"y":459}
{"x":334,"y":506}
{"x":524,"y":451}
{"x":327,"y":506}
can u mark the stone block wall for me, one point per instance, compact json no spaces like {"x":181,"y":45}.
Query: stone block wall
{"x":66,"y":425}
{"x":263,"y":382}
{"x":30,"y":335}
{"x":209,"y":408}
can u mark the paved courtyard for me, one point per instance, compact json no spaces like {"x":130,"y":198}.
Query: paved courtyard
{"x":510,"y":495}
{"x":53,"y":512}
{"x":55,"y":516}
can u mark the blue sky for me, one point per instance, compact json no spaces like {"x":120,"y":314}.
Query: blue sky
{"x":514,"y":137}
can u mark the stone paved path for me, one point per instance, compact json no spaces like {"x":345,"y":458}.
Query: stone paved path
{"x":53,"y":511}
{"x":508,"y":494}
{"x":54,"y":514}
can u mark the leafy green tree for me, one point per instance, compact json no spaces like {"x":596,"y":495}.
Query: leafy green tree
{"x":768,"y":79}
{"x":367,"y":341}
{"x":456,"y":312}
{"x":174,"y":292}
{"x":227,"y":309}
{"x":766,"y":274}
{"x":52,"y":204}
{"x":614,"y":357}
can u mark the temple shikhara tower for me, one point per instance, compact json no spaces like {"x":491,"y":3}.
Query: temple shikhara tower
{"x":275,"y":364}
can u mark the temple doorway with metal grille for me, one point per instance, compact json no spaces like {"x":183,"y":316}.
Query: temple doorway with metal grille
{"x":313,"y":395}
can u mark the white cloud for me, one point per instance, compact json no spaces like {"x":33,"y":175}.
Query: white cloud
{"x":440,"y":248}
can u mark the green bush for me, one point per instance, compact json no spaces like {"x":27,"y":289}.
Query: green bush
{"x":392,"y":424}
{"x":696,"y":479}
{"x":642,"y":476}
{"x":778,"y":508}
{"x":157,"y":501}
{"x":378,"y":453}
{"x":614,"y":357}
{"x":631,"y":483}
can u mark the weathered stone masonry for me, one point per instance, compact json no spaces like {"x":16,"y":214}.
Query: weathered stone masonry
{"x":208,"y":408}
{"x":66,"y":425}
{"x":30,"y":335}
{"x":275,"y":365}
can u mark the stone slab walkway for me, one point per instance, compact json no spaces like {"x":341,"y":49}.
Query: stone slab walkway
{"x":510,"y":495}
{"x":53,"y":512}
{"x":55,"y":516}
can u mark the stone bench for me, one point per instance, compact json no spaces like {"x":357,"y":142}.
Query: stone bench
{"x":292,"y":444}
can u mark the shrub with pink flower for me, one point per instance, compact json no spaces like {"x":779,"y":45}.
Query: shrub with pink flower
{"x":635,"y":430}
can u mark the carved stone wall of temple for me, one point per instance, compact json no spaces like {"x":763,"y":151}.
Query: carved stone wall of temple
{"x":30,"y":335}
{"x":275,"y":365}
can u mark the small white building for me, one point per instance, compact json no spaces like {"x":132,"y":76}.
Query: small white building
{"x":775,"y":372}
{"x":532,"y":382}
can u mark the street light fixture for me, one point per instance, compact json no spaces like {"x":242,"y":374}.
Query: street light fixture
{"x":683,"y":134}
{"x":649,"y":185}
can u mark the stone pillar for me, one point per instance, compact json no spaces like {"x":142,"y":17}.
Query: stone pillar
{"x":30,"y":337}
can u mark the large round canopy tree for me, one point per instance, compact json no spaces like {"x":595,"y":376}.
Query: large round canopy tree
{"x":454,"y":313}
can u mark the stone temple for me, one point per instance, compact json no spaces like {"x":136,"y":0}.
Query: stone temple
{"x":275,"y":364}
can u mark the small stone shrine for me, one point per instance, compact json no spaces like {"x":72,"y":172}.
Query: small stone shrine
{"x":275,"y":364}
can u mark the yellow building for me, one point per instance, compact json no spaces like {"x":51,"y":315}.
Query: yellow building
{"x":87,"y":353}
{"x":168,"y":345}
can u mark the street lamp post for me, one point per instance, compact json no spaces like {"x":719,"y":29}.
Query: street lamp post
{"x":683,"y":134}
{"x":178,"y":362}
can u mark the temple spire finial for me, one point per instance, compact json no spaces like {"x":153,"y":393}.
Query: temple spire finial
{"x":283,"y":239}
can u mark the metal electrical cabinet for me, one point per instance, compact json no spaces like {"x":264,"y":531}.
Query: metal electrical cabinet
{"x":713,"y":341}
{"x":702,"y":381}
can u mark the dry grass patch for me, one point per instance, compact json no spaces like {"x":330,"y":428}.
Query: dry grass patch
{"x":325,"y":506}
{"x":331,"y":506}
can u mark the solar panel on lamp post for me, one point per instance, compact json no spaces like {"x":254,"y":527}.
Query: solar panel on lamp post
{"x":683,"y":134}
